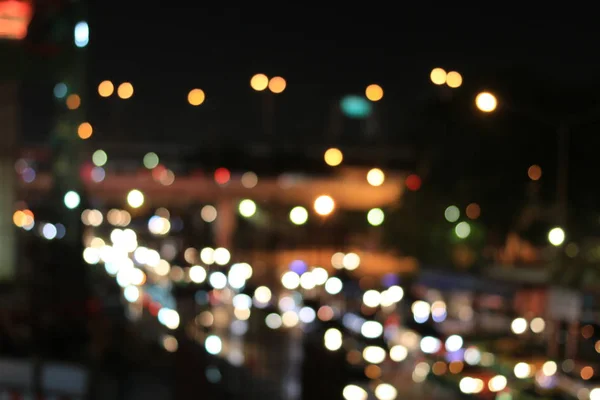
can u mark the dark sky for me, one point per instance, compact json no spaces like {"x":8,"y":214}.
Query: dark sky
{"x":537,"y":58}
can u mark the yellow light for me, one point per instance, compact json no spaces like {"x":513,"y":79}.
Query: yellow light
{"x":375,"y":177}
{"x":324,"y":205}
{"x":333,"y":157}
{"x":106,"y":88}
{"x":73,"y":102}
{"x":438,"y":76}
{"x":196,"y":97}
{"x":277,"y":84}
{"x":125,"y":90}
{"x":486,"y":102}
{"x":135,"y":198}
{"x":85,"y":131}
{"x":374,"y":92}
{"x":454,"y":79}
{"x":259,"y":82}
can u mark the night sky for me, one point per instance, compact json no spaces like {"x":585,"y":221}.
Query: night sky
{"x":538,"y":61}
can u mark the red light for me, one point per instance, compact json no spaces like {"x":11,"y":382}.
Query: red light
{"x":222,"y":176}
{"x":14,"y":18}
{"x":154,"y":308}
{"x":159,"y":172}
{"x":86,"y":171}
{"x":413,"y":182}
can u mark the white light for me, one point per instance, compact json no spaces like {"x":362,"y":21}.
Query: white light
{"x":131,"y":294}
{"x":353,"y":392}
{"x":454,"y":343}
{"x":385,"y":391}
{"x":518,"y":326}
{"x":242,"y":301}
{"x":556,"y":236}
{"x":395,"y":293}
{"x":49,"y":231}
{"x":273,"y":321}
{"x":221,"y":256}
{"x":81,"y":34}
{"x":262,"y":294}
{"x":398,"y":353}
{"x":549,"y":368}
{"x":218,"y":280}
{"x":91,"y":255}
{"x":372,"y":298}
{"x":169,"y":318}
{"x":537,"y":325}
{"x":213,"y":345}
{"x":320,"y":275}
{"x":430,"y":345}
{"x":497,"y":383}
{"x":595,"y":394}
{"x":351,"y":261}
{"x":307,"y":281}
{"x":333,"y":285}
{"x":307,"y":315}
{"x":207,"y":256}
{"x":333,"y":339}
{"x":290,"y":280}
{"x":522,"y":370}
{"x":197,"y":274}
{"x":374,"y":354}
{"x":298,"y":215}
{"x":371,"y":329}
{"x":247,"y":208}
{"x":135,"y":198}
{"x":72,"y":200}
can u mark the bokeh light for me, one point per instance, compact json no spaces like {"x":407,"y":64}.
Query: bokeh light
{"x":438,"y":76}
{"x":324,"y":205}
{"x":85,"y":130}
{"x":196,"y":97}
{"x":73,"y":102}
{"x":277,"y":84}
{"x":259,"y":82}
{"x":374,"y":92}
{"x":125,"y":90}
{"x":454,"y":79}
{"x":106,"y":88}
{"x":486,"y":102}
{"x":333,"y":157}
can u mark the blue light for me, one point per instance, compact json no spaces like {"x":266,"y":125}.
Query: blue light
{"x":82,"y":34}
{"x":355,"y":106}
{"x":298,"y":266}
{"x":60,"y":90}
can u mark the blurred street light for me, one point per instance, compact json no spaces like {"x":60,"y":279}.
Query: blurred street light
{"x":556,"y":236}
{"x":438,"y":76}
{"x":259,"y":82}
{"x":125,"y":90}
{"x":333,"y":157}
{"x":196,"y":97}
{"x":454,"y":79}
{"x":277,"y":84}
{"x":106,"y":88}
{"x":486,"y":102}
{"x":324,"y":205}
{"x":374,"y":92}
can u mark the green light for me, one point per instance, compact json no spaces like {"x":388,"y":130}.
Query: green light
{"x":452,"y":214}
{"x":151,"y":160}
{"x":99,"y":158}
{"x":60,"y":90}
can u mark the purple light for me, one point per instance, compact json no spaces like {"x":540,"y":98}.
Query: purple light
{"x":298,"y":266}
{"x":390,"y":280}
{"x":455,"y":355}
{"x":28,"y":175}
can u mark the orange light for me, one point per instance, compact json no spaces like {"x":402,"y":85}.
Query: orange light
{"x":374,"y":92}
{"x":534,"y":172}
{"x":85,"y":131}
{"x":277,"y":84}
{"x":106,"y":88}
{"x":125,"y":90}
{"x":196,"y":97}
{"x":73,"y":102}
{"x":14,"y":19}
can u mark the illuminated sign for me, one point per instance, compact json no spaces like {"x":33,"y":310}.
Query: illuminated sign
{"x":15,"y":16}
